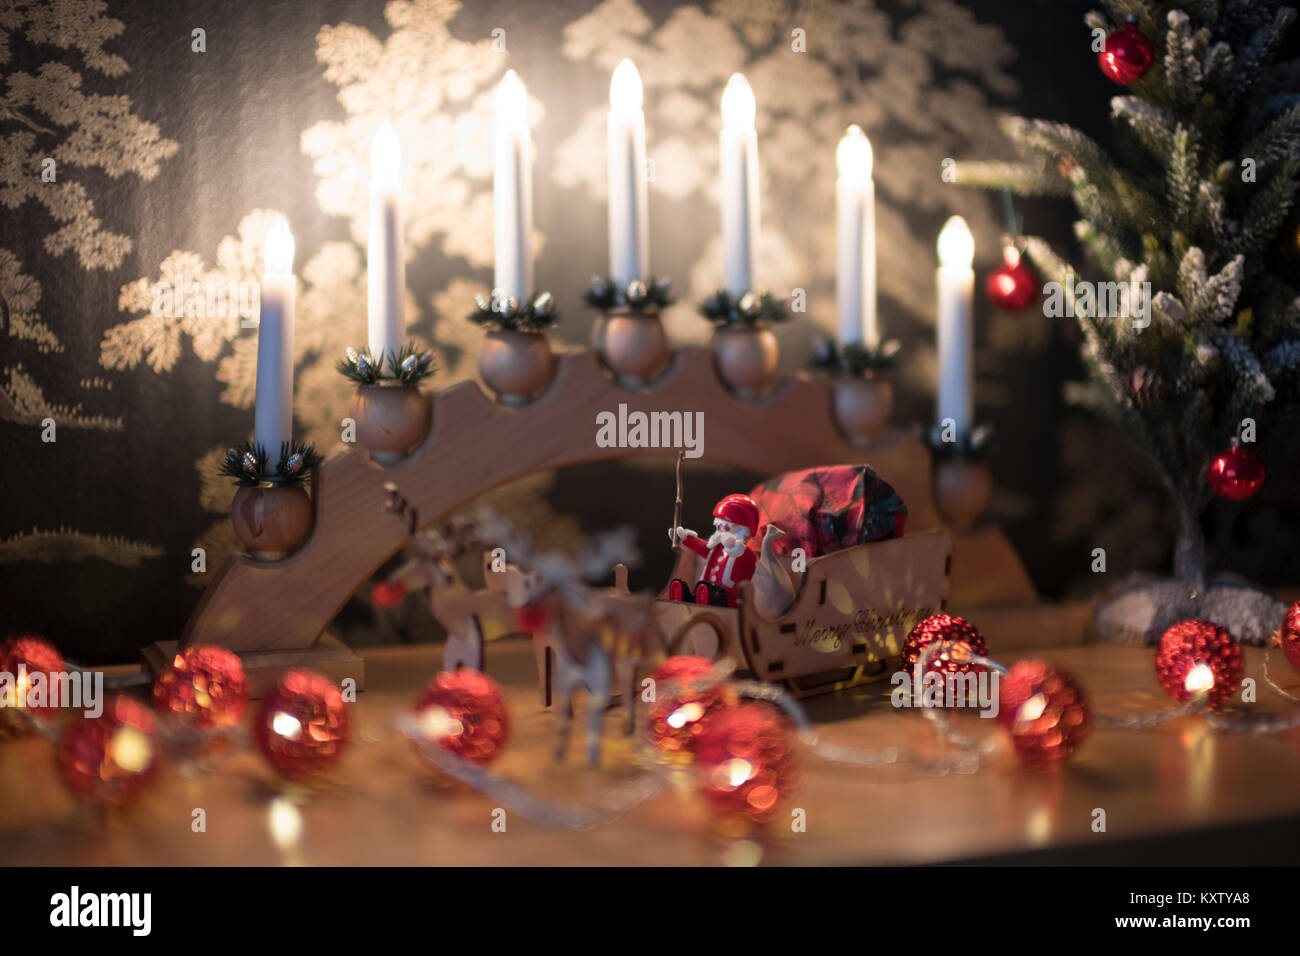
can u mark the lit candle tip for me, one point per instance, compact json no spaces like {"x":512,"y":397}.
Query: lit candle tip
{"x":625,"y":91}
{"x":956,"y":245}
{"x":738,"y":106}
{"x":278,"y":251}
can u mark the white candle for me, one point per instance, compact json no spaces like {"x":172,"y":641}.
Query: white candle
{"x":513,"y":192}
{"x":273,"y":414}
{"x":629,"y":236}
{"x":855,"y":276}
{"x":956,"y":281}
{"x":739,"y":163}
{"x":386,"y":264}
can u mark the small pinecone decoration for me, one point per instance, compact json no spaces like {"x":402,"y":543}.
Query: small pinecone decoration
{"x":1145,"y":387}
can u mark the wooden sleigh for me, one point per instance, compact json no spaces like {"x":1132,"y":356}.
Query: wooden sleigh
{"x":852,"y":610}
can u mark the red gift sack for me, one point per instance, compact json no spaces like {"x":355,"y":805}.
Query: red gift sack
{"x":826,"y":509}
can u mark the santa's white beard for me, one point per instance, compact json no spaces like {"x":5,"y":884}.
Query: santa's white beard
{"x":733,"y":545}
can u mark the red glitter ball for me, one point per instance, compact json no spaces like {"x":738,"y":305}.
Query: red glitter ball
{"x":682,"y":702}
{"x":204,"y":686}
{"x":1126,"y":55}
{"x":111,"y":757}
{"x":1290,"y":635}
{"x":746,"y":760}
{"x":967,"y":642}
{"x":1236,"y":474}
{"x":464,"y":712}
{"x":302,"y":725}
{"x":1190,"y":643}
{"x":38,"y":656}
{"x":1044,"y":710}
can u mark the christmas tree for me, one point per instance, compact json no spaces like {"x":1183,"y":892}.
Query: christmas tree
{"x":1187,"y":228}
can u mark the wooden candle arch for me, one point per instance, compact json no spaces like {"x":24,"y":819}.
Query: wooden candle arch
{"x":476,"y":444}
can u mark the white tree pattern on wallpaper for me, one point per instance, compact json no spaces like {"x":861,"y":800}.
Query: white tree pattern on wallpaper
{"x":916,"y":85}
{"x":46,"y":115}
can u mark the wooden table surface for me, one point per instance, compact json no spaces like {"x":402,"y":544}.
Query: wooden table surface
{"x":384,"y":807}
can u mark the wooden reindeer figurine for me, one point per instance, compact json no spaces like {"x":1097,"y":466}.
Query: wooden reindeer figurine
{"x":470,"y":617}
{"x":601,"y":638}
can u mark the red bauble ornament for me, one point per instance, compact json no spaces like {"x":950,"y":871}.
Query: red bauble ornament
{"x":386,"y":595}
{"x":111,"y":757}
{"x":1236,"y":474}
{"x":683,"y":702}
{"x":967,"y":642}
{"x":302,"y":725}
{"x":1195,"y":656}
{"x":1289,"y":636}
{"x":746,"y":760}
{"x":1044,"y":711}
{"x":21,"y":657}
{"x":464,"y":711}
{"x":1127,"y":54}
{"x":203,"y":686}
{"x":1013,"y":285}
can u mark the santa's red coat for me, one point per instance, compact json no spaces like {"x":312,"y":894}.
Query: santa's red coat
{"x":720,"y":568}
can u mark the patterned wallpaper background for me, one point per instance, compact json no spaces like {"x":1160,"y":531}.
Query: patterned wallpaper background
{"x":171,"y":163}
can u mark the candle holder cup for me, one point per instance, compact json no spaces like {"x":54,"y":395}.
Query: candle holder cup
{"x":963,"y":481}
{"x":392,"y":415}
{"x":628,"y":335}
{"x":515,"y":359}
{"x":391,"y":419}
{"x":272,"y":513}
{"x":862,"y":393}
{"x":745,"y":350}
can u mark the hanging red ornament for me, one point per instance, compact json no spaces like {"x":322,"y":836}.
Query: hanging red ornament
{"x":1236,"y":474}
{"x":21,"y":658}
{"x":684,"y":697}
{"x":1013,"y":285}
{"x":464,"y":711}
{"x":1289,"y":635}
{"x":1044,"y":710}
{"x":967,"y":642}
{"x":1127,"y":54}
{"x":1198,"y":656}
{"x":302,"y":725}
{"x":746,"y":760}
{"x":110,"y":758}
{"x":204,"y":687}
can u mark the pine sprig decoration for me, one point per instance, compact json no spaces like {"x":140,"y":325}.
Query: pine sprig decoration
{"x":361,"y":367}
{"x":606,"y":294}
{"x":854,"y":358}
{"x":413,"y":364}
{"x":751,"y":309}
{"x":297,"y":461}
{"x":246,"y":463}
{"x":504,"y":313}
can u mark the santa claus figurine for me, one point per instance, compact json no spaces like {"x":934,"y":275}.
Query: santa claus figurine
{"x":728,"y":559}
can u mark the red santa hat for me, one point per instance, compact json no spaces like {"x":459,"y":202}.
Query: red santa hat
{"x":739,"y":510}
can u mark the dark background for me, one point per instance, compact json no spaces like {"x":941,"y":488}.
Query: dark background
{"x":132,"y":502}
